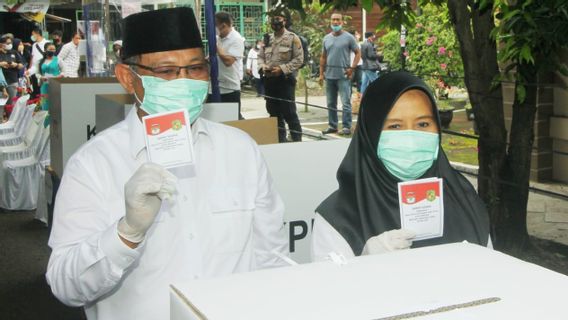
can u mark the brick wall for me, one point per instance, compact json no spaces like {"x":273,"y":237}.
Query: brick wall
{"x":559,"y":128}
{"x":541,"y":158}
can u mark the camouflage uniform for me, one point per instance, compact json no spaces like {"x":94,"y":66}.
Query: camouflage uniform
{"x":285,"y":52}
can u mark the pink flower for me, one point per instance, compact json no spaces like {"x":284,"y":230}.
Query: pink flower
{"x":402,"y":42}
{"x":419,"y":25}
{"x":441,"y":51}
{"x":405,"y":53}
{"x":443,"y":66}
{"x":430,"y":40}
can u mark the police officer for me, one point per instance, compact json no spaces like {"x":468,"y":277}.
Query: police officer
{"x":278,"y":63}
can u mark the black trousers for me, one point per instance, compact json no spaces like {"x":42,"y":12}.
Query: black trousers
{"x":234,"y":96}
{"x":35,"y":86}
{"x":284,"y":110}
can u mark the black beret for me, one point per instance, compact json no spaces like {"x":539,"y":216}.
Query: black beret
{"x":160,"y":30}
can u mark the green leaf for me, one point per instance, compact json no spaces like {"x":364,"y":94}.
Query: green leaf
{"x":367,"y":5}
{"x":525,"y":54}
{"x":483,"y":4}
{"x":521,"y":92}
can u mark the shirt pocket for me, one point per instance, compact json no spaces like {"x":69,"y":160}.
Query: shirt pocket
{"x":267,"y":54}
{"x":231,"y":219}
{"x":284,"y":53}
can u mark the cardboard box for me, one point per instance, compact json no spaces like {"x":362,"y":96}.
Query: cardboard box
{"x":383,"y":286}
{"x":263,"y":131}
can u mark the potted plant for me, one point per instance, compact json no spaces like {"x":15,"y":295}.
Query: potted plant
{"x":446,"y":112}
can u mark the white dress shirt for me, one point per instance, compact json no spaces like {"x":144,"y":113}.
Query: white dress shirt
{"x":326,"y":239}
{"x":69,"y":56}
{"x":230,"y":77}
{"x":37,"y":56}
{"x":227,"y":218}
{"x":252,"y":63}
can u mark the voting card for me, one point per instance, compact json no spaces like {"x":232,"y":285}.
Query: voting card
{"x":421,"y":205}
{"x":168,"y":139}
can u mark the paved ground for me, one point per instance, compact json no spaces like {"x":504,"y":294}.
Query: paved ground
{"x":24,"y":293}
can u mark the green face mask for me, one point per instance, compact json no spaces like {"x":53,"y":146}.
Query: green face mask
{"x":336,"y":28}
{"x":407,"y":154}
{"x":162,"y":95}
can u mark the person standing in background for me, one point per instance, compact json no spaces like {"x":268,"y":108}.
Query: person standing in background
{"x":279,"y":61}
{"x":370,"y":60}
{"x":10,"y":63}
{"x":69,"y":57}
{"x":230,"y":50}
{"x":57,"y":39}
{"x":37,"y":55}
{"x":336,"y":69}
{"x":50,"y":67}
{"x":252,"y":68}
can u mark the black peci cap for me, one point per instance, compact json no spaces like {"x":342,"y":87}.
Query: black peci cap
{"x":160,"y":30}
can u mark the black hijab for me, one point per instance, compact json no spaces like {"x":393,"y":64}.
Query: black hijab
{"x":366,"y":203}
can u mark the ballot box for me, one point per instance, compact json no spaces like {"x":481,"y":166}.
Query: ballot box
{"x":453,"y":281}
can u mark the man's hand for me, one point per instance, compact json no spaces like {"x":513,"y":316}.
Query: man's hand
{"x":321,"y":78}
{"x":276,"y":71}
{"x":4,"y":64}
{"x":143,"y":194}
{"x":349,"y":73}
{"x":388,"y":241}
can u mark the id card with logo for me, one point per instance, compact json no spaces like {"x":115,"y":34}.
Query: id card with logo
{"x":421,"y":205}
{"x":168,"y":139}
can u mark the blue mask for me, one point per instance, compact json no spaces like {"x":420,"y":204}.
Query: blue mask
{"x":162,"y":95}
{"x":407,"y":154}
{"x":336,"y":28}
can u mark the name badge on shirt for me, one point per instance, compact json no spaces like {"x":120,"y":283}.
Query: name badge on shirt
{"x":421,"y":205}
{"x":168,"y":139}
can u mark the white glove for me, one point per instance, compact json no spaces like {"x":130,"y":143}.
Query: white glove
{"x":143,"y":194}
{"x":388,"y":241}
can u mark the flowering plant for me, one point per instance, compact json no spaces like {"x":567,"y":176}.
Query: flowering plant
{"x":432,"y":49}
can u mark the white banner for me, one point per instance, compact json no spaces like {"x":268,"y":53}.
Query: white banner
{"x":24,"y":6}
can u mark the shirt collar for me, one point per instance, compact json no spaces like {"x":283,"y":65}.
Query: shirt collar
{"x":136,"y":132}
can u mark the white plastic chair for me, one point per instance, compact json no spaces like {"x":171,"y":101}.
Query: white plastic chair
{"x":21,"y":178}
{"x":15,"y":116}
{"x":20,"y":129}
{"x":31,"y":140}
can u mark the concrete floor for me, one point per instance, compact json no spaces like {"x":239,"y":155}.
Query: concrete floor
{"x":24,"y":293}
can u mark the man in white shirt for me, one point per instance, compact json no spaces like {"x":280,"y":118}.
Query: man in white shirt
{"x":230,"y":50}
{"x":69,"y":56}
{"x":125,"y":229}
{"x":252,"y":68}
{"x":37,"y":54}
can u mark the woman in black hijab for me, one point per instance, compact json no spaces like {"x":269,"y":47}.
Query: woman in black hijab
{"x":397,"y":139}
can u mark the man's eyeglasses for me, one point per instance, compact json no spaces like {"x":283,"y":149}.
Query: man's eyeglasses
{"x":197,"y":71}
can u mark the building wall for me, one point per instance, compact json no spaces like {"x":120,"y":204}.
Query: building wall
{"x":541,"y":157}
{"x":559,"y":128}
{"x":373,"y":18}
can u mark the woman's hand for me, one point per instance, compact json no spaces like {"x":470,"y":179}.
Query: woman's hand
{"x":388,"y":241}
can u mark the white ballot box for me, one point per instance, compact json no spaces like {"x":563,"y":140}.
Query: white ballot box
{"x":459,"y":281}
